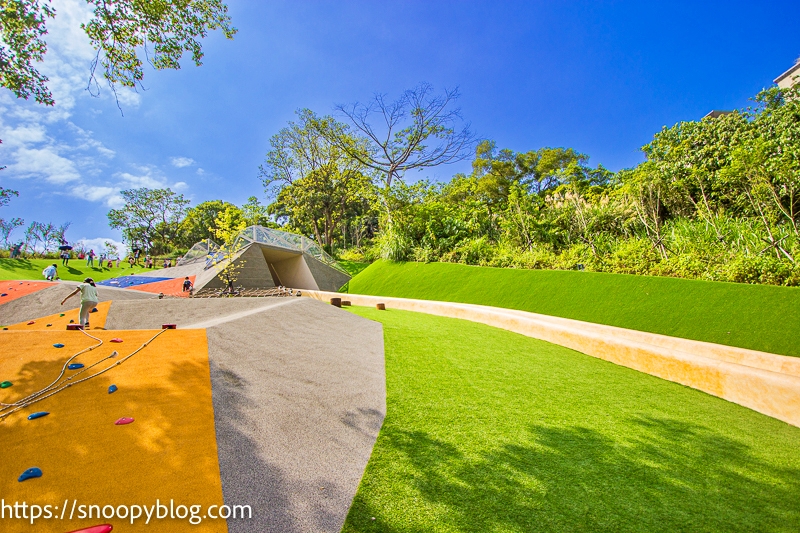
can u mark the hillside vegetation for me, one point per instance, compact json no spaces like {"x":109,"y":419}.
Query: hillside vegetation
{"x":757,"y":317}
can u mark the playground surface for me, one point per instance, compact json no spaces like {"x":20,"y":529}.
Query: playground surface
{"x":291,"y":406}
{"x":274,"y":403}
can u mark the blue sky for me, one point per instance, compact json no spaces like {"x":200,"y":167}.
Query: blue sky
{"x":600,"y":77}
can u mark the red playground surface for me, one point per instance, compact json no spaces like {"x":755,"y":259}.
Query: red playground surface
{"x":11,"y":290}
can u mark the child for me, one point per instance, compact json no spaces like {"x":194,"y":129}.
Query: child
{"x":50,"y":273}
{"x":187,"y":285}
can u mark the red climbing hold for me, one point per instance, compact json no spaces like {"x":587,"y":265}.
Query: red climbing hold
{"x":116,"y":339}
{"x":123,"y":421}
{"x":31,"y":322}
{"x":104,"y":528}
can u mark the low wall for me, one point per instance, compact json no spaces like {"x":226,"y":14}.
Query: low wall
{"x":764,"y":382}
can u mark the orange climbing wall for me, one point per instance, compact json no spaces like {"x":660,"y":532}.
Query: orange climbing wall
{"x":96,"y":320}
{"x":168,"y":453}
{"x":170,"y":287}
{"x":18,"y":289}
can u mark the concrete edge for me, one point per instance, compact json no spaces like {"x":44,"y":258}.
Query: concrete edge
{"x":764,"y":382}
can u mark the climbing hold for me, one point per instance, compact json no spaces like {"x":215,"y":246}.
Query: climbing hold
{"x":4,"y":294}
{"x":62,"y":314}
{"x":123,"y":421}
{"x":94,"y":310}
{"x":114,"y":353}
{"x":30,"y":473}
{"x":40,"y":414}
{"x":48,"y":325}
{"x":116,"y":339}
{"x":5,"y":329}
{"x":103,"y":528}
{"x":71,"y":321}
{"x":168,"y":326}
{"x":75,"y":366}
{"x":112,"y":389}
{"x":58,"y":345}
{"x":31,"y":322}
{"x":5,"y":384}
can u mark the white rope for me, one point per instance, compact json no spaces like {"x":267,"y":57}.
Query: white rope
{"x":63,"y":370}
{"x":56,"y":387}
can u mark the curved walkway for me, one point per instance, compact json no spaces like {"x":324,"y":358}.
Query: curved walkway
{"x":767,"y":383}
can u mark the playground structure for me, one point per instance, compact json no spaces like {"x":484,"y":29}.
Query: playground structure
{"x":263,"y":258}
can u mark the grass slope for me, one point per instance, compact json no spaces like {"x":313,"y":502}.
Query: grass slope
{"x":75,"y":271}
{"x":759,"y":317}
{"x":490,"y":431}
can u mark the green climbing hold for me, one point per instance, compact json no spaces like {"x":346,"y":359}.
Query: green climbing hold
{"x":5,"y":384}
{"x":62,"y":314}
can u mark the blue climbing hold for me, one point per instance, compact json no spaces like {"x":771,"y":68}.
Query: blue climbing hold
{"x":30,"y":473}
{"x":40,"y":414}
{"x":112,"y":388}
{"x":4,"y":294}
{"x":75,"y":366}
{"x":94,"y":310}
{"x":58,"y":345}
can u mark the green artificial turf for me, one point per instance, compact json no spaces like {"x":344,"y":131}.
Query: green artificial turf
{"x":758,"y":317}
{"x":77,"y":270}
{"x":490,"y":431}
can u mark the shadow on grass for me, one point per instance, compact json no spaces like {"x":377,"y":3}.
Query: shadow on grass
{"x":15,"y":264}
{"x":666,"y":475}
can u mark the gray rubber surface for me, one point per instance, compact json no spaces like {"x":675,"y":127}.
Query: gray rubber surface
{"x":299,"y":397}
{"x":185,"y":312}
{"x":48,"y":301}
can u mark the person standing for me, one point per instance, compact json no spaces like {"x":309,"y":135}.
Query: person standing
{"x":89,"y":300}
{"x":90,"y":259}
{"x":64,"y":257}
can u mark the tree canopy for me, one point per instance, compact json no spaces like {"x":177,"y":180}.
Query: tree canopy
{"x":121,"y":31}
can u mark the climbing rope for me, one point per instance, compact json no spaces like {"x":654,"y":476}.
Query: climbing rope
{"x":56,"y":386}
{"x":63,"y":370}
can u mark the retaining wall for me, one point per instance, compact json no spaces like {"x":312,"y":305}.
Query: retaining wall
{"x":764,"y":382}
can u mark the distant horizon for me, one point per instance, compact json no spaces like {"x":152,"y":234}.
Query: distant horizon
{"x":599,"y":78}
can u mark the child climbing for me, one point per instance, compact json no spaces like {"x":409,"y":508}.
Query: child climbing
{"x":50,"y":273}
{"x":89,"y":299}
{"x":188,"y":285}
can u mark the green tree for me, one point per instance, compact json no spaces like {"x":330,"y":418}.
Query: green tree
{"x":227,"y":226}
{"x":315,"y":182}
{"x":200,"y":221}
{"x":418,"y":130}
{"x":254,"y":213}
{"x":121,"y":31}
{"x":150,"y":218}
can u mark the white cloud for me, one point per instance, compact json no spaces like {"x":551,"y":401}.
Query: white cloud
{"x":41,"y":144}
{"x":98,"y":244}
{"x":200,"y":171}
{"x":45,"y":163}
{"x":180,"y":186}
{"x":181,"y":162}
{"x":145,"y":180}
